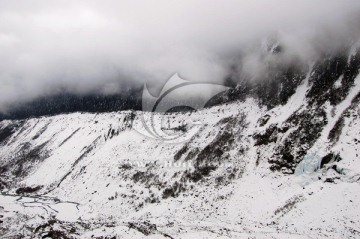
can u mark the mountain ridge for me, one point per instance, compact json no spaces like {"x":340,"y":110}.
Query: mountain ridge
{"x":257,"y":167}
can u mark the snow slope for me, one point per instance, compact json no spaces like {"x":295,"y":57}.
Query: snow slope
{"x":240,"y":174}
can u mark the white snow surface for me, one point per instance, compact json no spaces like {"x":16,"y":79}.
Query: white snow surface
{"x":86,"y":178}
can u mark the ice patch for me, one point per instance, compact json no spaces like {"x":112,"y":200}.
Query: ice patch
{"x":310,"y":164}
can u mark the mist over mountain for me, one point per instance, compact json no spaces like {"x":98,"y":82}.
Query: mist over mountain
{"x":106,"y":47}
{"x":70,"y":103}
{"x":180,"y":119}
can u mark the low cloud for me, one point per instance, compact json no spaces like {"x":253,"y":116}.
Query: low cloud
{"x":108,"y":46}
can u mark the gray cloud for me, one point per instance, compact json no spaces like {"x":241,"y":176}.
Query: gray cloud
{"x":80,"y":46}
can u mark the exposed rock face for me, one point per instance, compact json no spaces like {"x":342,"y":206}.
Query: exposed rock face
{"x":86,"y":175}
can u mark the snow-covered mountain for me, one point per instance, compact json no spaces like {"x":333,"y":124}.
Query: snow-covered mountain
{"x":274,"y":161}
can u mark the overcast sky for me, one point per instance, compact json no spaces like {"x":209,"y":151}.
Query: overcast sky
{"x":49,"y":45}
